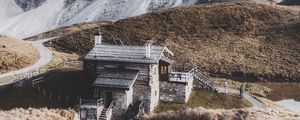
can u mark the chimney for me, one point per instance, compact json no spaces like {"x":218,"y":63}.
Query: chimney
{"x":148,"y":49}
{"x":98,"y":38}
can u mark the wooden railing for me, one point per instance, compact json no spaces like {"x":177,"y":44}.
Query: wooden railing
{"x":203,"y":76}
{"x":188,"y":73}
{"x":97,"y":106}
{"x":108,"y":113}
{"x":21,"y":76}
{"x":27,"y":75}
{"x":182,"y":76}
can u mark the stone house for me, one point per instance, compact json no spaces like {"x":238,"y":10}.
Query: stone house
{"x":120,"y":75}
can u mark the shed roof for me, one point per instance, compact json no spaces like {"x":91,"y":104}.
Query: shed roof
{"x":116,"y":78}
{"x":136,"y":54}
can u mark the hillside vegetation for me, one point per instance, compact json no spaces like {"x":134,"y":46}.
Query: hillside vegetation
{"x":15,"y":54}
{"x":221,"y":114}
{"x":37,"y":114}
{"x":67,"y":30}
{"x":211,"y":100}
{"x":240,"y":40}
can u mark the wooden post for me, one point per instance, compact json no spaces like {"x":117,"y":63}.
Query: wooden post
{"x":38,"y":88}
{"x":50,"y":96}
{"x":80,"y":100}
{"x":44,"y":92}
{"x":58,"y":98}
{"x":67,"y":98}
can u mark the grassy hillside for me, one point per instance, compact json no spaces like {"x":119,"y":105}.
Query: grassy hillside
{"x":15,"y":54}
{"x":240,"y":40}
{"x":211,"y":100}
{"x":67,"y":30}
{"x":37,"y":114}
{"x":221,"y":114}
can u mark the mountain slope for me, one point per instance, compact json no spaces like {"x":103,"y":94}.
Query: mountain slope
{"x":240,"y":40}
{"x":44,"y":15}
{"x":9,"y":8}
{"x":34,"y":21}
{"x":27,"y":5}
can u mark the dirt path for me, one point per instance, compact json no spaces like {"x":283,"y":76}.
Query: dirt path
{"x":45,"y":56}
{"x":255,"y":103}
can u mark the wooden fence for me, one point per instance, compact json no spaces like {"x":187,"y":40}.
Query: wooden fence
{"x":57,"y":98}
{"x":15,"y":79}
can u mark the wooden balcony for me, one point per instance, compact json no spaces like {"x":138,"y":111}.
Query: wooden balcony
{"x":182,"y":75}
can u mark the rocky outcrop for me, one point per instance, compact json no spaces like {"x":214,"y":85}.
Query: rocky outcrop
{"x":27,"y":5}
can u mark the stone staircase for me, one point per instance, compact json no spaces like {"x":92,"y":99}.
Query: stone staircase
{"x":203,"y":81}
{"x":106,"y":113}
{"x":103,"y":115}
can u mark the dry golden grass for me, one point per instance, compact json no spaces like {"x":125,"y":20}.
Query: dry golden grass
{"x":267,"y":102}
{"x":282,"y":91}
{"x":15,"y":54}
{"x":206,"y":99}
{"x":221,"y":114}
{"x":253,"y":88}
{"x":67,"y":30}
{"x":237,"y":40}
{"x":60,"y":57}
{"x":37,"y":114}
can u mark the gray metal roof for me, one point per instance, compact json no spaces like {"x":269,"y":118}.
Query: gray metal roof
{"x":135,"y":54}
{"x":116,"y":78}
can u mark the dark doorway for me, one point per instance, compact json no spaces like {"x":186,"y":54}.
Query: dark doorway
{"x":164,"y":70}
{"x":108,"y":98}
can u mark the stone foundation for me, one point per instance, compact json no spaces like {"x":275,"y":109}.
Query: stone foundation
{"x":175,"y":91}
{"x":121,"y":98}
{"x":142,"y":93}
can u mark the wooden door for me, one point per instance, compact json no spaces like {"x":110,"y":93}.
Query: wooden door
{"x":108,"y":98}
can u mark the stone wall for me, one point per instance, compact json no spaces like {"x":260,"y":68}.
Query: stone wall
{"x":148,"y":92}
{"x":175,"y":91}
{"x":142,"y":93}
{"x":146,"y":87}
{"x":188,"y":89}
{"x":129,"y":97}
{"x":121,"y":101}
{"x":120,"y":106}
{"x":89,"y":112}
{"x":154,"y":84}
